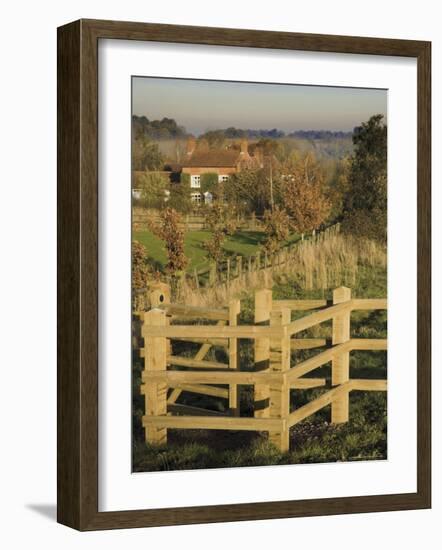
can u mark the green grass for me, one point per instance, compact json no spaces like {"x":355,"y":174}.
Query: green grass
{"x":244,"y":243}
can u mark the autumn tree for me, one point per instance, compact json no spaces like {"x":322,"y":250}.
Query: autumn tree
{"x":365,"y":208}
{"x":221,"y":221}
{"x":168,"y":229}
{"x":302,"y":193}
{"x":276,"y":226}
{"x":140,"y":267}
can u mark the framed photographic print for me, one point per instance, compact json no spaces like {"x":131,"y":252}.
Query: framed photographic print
{"x":239,"y":215}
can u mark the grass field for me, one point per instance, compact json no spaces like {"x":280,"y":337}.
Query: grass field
{"x":244,"y":243}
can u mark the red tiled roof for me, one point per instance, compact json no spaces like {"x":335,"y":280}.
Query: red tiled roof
{"x":226,"y":157}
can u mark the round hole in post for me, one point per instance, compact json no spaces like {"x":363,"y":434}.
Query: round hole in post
{"x":159,"y":293}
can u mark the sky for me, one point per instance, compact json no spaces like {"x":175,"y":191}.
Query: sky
{"x":202,"y":105}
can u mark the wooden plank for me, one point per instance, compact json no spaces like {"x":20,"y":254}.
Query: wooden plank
{"x":341,"y":361}
{"x":318,"y":317}
{"x":280,"y":391}
{"x":175,"y":393}
{"x":298,"y":305}
{"x":208,"y":377}
{"x":234,"y":309}
{"x":156,"y":391}
{"x":178,"y":408}
{"x":180,"y":310}
{"x":368,"y":385}
{"x":360,"y":304}
{"x":221,"y":342}
{"x":188,"y":362}
{"x":215,"y":423}
{"x":372,"y":344}
{"x":211,"y":331}
{"x":317,"y":361}
{"x":263,"y":307}
{"x":307,"y":383}
{"x":318,"y":403}
{"x":202,"y":352}
{"x":202,"y":389}
{"x":307,"y":343}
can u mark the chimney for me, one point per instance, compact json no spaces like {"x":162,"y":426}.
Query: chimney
{"x":190,"y":146}
{"x":244,"y":147}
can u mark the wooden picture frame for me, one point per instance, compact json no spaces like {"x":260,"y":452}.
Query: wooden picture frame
{"x":78,"y":274}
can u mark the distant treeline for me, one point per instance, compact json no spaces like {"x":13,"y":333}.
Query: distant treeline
{"x":320,"y":134}
{"x":165,"y":128}
{"x":274,"y":133}
{"x":168,"y":128}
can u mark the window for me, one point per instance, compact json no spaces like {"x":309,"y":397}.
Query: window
{"x":222,"y":179}
{"x":195,"y":181}
{"x":195,"y":197}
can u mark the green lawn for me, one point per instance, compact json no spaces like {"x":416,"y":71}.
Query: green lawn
{"x":244,"y":243}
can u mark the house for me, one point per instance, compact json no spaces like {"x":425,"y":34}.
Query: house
{"x":223,"y":162}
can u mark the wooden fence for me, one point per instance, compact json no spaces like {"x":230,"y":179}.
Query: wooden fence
{"x":231,"y":268}
{"x":223,"y":273}
{"x":195,"y":221}
{"x":275,"y":336}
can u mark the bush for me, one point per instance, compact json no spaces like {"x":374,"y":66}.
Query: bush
{"x":153,"y":187}
{"x":208,"y":182}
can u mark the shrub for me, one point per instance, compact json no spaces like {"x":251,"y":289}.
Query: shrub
{"x":168,"y":229}
{"x":209,"y":181}
{"x":276,"y":225}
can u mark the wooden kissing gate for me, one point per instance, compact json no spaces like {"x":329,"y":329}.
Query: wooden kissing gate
{"x":274,"y":336}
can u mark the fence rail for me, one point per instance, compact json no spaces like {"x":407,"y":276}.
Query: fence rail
{"x":275,"y":374}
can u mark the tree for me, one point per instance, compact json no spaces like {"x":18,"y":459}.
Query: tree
{"x":168,"y":229}
{"x":221,"y":222}
{"x":146,"y":155}
{"x":303,"y":196}
{"x":140,"y":267}
{"x":276,"y":226}
{"x":336,"y":188}
{"x":153,"y":189}
{"x":179,"y":198}
{"x":249,"y":191}
{"x":365,"y":205}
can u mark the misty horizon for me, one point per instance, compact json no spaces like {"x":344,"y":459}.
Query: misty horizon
{"x":204,"y":105}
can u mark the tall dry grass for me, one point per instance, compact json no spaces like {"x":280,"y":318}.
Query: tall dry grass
{"x":323,"y":264}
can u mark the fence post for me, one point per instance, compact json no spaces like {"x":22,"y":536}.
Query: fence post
{"x":258,"y":261}
{"x":155,"y":359}
{"x":263,"y":307}
{"x":197,"y":282}
{"x":228,"y":272}
{"x":158,"y":293}
{"x":341,"y":364}
{"x":234,"y":309}
{"x":238,"y":266}
{"x":280,"y":392}
{"x":212,"y":274}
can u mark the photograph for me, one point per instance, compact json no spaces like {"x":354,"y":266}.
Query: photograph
{"x":259,"y":274}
